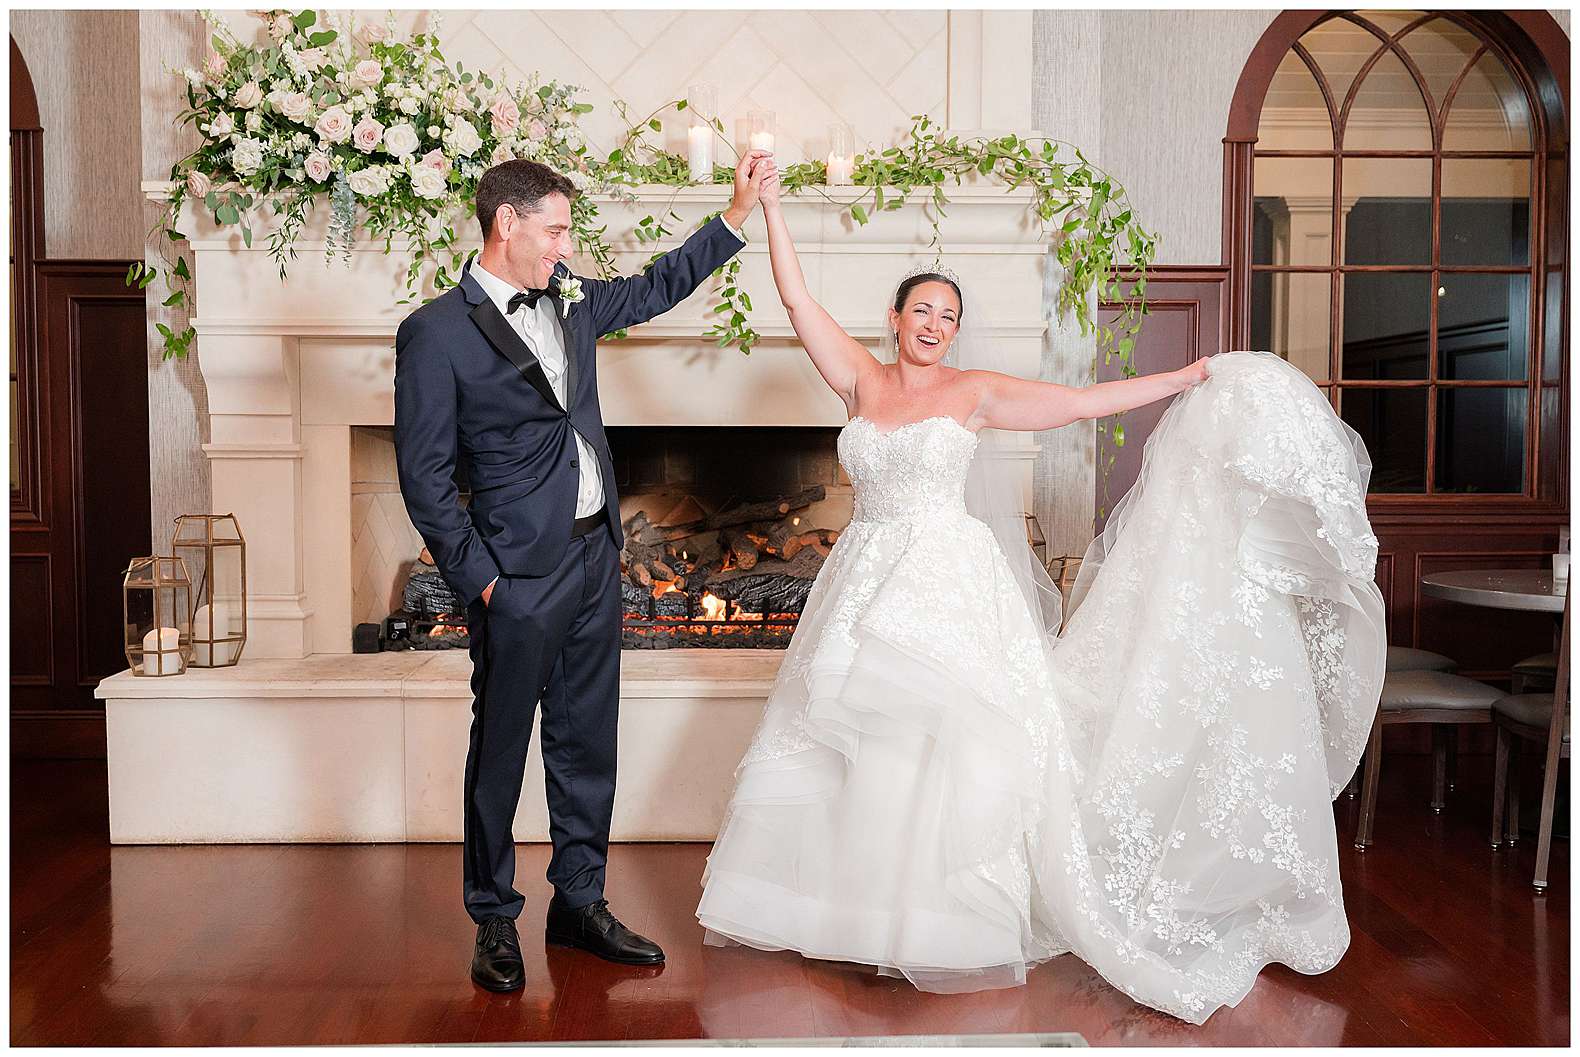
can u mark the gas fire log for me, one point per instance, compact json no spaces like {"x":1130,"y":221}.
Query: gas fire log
{"x":639,"y":575}
{"x":768,"y":510}
{"x":742,"y":547}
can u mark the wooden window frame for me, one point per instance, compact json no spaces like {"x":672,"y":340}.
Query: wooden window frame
{"x":1526,"y":43}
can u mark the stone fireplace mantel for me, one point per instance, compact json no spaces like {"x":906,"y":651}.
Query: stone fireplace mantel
{"x":304,"y":741}
{"x":292,"y":366}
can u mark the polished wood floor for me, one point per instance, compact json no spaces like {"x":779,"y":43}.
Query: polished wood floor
{"x":320,"y":944}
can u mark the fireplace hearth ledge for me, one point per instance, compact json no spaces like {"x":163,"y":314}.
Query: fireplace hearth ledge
{"x":371,"y":747}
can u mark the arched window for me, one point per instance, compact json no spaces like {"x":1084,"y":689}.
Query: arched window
{"x":1401,"y":240}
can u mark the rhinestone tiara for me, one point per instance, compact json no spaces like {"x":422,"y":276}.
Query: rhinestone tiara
{"x":929,"y":269}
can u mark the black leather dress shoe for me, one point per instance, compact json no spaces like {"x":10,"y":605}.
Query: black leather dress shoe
{"x":496,"y":961}
{"x":594,"y":929}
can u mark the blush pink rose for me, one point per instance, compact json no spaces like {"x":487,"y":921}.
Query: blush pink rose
{"x":334,"y":125}
{"x":435,"y":160}
{"x":367,"y":73}
{"x":198,"y":184}
{"x":316,"y":166}
{"x":504,"y":115}
{"x":368,"y":134}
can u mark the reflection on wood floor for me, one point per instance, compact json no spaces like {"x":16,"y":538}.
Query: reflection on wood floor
{"x":318,"y":944}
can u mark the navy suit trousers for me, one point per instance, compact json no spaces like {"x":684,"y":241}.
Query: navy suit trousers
{"x":554,"y":639}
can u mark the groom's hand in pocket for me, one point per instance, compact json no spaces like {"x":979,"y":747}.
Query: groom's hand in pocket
{"x":488,"y":592}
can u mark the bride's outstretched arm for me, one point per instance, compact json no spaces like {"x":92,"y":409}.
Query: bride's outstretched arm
{"x":838,"y":357}
{"x":1006,"y":402}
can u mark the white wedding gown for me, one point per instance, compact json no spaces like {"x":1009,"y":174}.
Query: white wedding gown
{"x":939,"y":791}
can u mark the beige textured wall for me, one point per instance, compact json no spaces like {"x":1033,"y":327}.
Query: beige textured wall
{"x":85,"y":70}
{"x":177,"y":400}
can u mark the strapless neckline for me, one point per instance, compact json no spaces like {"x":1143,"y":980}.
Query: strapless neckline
{"x":907,"y":425}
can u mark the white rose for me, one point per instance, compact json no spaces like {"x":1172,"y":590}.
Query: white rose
{"x":222,"y":126}
{"x":367,"y":73}
{"x":463,"y":139}
{"x":367,"y":134}
{"x":428,"y":183}
{"x":295,"y":105}
{"x":401,"y":140}
{"x":247,"y":156}
{"x":317,"y":166}
{"x":373,"y":180}
{"x":198,"y":185}
{"x":254,"y":121}
{"x":503,"y":151}
{"x":409,"y":104}
{"x":334,"y":125}
{"x":314,"y":59}
{"x":371,"y":33}
{"x":435,"y":131}
{"x":573,"y":138}
{"x":434,"y":228}
{"x":247,"y":96}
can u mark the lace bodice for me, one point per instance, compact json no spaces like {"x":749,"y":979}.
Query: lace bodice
{"x":915,"y":470}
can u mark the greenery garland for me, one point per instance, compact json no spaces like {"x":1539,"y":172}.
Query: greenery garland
{"x":394,"y":138}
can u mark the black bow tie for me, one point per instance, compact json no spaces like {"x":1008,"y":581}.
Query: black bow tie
{"x":528,"y":298}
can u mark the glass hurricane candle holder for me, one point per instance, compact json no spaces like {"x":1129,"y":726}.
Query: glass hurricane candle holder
{"x":213,"y":545}
{"x":156,"y":596}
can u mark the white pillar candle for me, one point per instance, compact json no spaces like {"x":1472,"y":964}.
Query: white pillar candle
{"x":221,"y":652}
{"x":156,"y":663}
{"x":699,"y":154}
{"x":763,"y":141}
{"x":840,"y":168}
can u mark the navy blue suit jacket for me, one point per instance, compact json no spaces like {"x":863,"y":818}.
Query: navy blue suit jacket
{"x":470,"y":392}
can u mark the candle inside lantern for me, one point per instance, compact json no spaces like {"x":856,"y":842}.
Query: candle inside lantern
{"x":841,"y":153}
{"x":205,"y":653}
{"x":168,"y":662}
{"x":699,"y":154}
{"x":760,"y":125}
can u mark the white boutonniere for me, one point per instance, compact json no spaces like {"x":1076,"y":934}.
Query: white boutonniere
{"x":570,"y":293}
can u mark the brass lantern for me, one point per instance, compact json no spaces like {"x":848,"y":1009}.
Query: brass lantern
{"x":213,"y":545}
{"x":156,"y":598}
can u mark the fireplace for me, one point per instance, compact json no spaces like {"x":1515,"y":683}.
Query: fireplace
{"x":726,"y":529}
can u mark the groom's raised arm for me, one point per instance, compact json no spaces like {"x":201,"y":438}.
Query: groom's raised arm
{"x":425,"y":453}
{"x":630,"y":300}
{"x":615,"y":304}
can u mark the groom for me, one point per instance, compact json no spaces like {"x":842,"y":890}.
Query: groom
{"x":498,"y":376}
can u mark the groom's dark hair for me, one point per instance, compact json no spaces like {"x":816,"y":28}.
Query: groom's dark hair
{"x":519,"y":183}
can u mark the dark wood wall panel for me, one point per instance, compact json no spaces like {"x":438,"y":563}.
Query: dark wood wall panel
{"x":32,"y":660}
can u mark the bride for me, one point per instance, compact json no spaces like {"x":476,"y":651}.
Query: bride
{"x":947,"y":787}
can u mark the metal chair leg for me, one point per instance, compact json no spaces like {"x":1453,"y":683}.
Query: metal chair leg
{"x":1453,"y":757}
{"x":1439,"y":767}
{"x":1500,"y":778}
{"x":1511,"y":831}
{"x":1363,"y":831}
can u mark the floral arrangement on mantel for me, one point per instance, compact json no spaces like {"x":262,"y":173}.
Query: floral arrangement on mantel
{"x":395,"y":138}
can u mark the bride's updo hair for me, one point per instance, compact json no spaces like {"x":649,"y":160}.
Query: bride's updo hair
{"x":911,"y":282}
